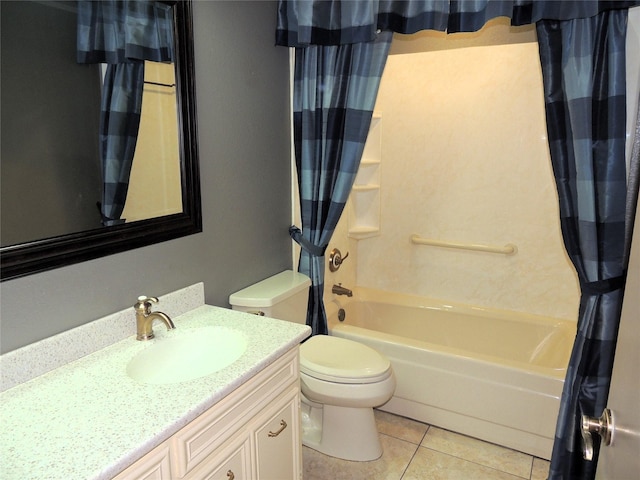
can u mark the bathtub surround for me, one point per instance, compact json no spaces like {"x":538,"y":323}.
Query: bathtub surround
{"x":479,"y":177}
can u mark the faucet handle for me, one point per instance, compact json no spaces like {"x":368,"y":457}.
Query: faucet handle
{"x":144,"y":298}
{"x":144,"y":303}
{"x":336,"y":259}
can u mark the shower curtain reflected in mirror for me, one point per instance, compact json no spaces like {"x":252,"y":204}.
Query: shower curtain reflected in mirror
{"x":122,"y":34}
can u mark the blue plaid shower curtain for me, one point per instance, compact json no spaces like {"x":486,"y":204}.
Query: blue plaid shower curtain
{"x":335,"y":22}
{"x":335,"y":91}
{"x":122,"y":34}
{"x":583,"y":58}
{"x":584,"y":75}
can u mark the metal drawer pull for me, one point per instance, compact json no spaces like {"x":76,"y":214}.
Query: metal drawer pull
{"x":230,"y":475}
{"x":283,"y":425}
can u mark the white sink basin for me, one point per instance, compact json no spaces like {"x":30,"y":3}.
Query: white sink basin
{"x":187,"y":355}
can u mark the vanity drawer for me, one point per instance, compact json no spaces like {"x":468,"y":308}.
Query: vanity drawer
{"x":195,"y":442}
{"x":231,"y":462}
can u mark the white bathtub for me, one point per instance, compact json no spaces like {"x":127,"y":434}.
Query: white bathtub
{"x":491,"y":374}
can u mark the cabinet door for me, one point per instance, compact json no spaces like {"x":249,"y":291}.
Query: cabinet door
{"x":231,"y":462}
{"x":277,"y":440}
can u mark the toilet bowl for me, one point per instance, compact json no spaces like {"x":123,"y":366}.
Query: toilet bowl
{"x":341,"y":380}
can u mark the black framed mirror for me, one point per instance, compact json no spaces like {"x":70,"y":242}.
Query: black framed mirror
{"x":43,"y":254}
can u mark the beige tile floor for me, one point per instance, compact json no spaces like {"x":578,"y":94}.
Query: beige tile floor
{"x":416,"y":451}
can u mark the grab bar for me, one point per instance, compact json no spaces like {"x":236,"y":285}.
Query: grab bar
{"x":508,"y":249}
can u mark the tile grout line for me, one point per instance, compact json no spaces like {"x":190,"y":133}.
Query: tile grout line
{"x":474,"y":462}
{"x":414,"y":452}
{"x":531,"y":469}
{"x":531,"y":457}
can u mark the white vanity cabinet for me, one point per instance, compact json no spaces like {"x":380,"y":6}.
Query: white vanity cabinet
{"x":252,"y":433}
{"x":155,"y":465}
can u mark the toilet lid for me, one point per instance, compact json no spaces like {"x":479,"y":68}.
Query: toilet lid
{"x":342,"y":361}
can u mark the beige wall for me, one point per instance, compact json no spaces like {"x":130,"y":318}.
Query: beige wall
{"x":465,"y":158}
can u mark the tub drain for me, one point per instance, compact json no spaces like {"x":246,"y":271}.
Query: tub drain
{"x":341,"y":314}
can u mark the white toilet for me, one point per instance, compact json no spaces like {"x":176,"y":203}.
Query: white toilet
{"x":341,"y":380}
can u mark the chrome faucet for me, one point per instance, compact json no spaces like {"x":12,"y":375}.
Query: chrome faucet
{"x":340,"y":290}
{"x":145,"y":318}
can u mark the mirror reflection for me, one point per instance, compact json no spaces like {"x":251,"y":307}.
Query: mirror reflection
{"x":99,"y":138}
{"x":80,"y":150}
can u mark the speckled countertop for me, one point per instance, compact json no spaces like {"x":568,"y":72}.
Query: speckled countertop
{"x":89,"y":420}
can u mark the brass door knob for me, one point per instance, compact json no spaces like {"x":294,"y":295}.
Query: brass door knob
{"x":603,"y":426}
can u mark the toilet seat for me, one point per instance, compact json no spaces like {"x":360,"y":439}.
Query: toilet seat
{"x":340,"y":360}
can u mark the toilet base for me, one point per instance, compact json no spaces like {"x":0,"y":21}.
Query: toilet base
{"x":341,"y":432}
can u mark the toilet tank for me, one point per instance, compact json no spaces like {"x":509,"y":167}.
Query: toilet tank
{"x":284,"y":296}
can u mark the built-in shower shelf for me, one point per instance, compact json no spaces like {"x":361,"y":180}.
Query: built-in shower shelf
{"x":364,"y":201}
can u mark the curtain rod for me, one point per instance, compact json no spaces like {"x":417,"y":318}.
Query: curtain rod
{"x":169,"y":85}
